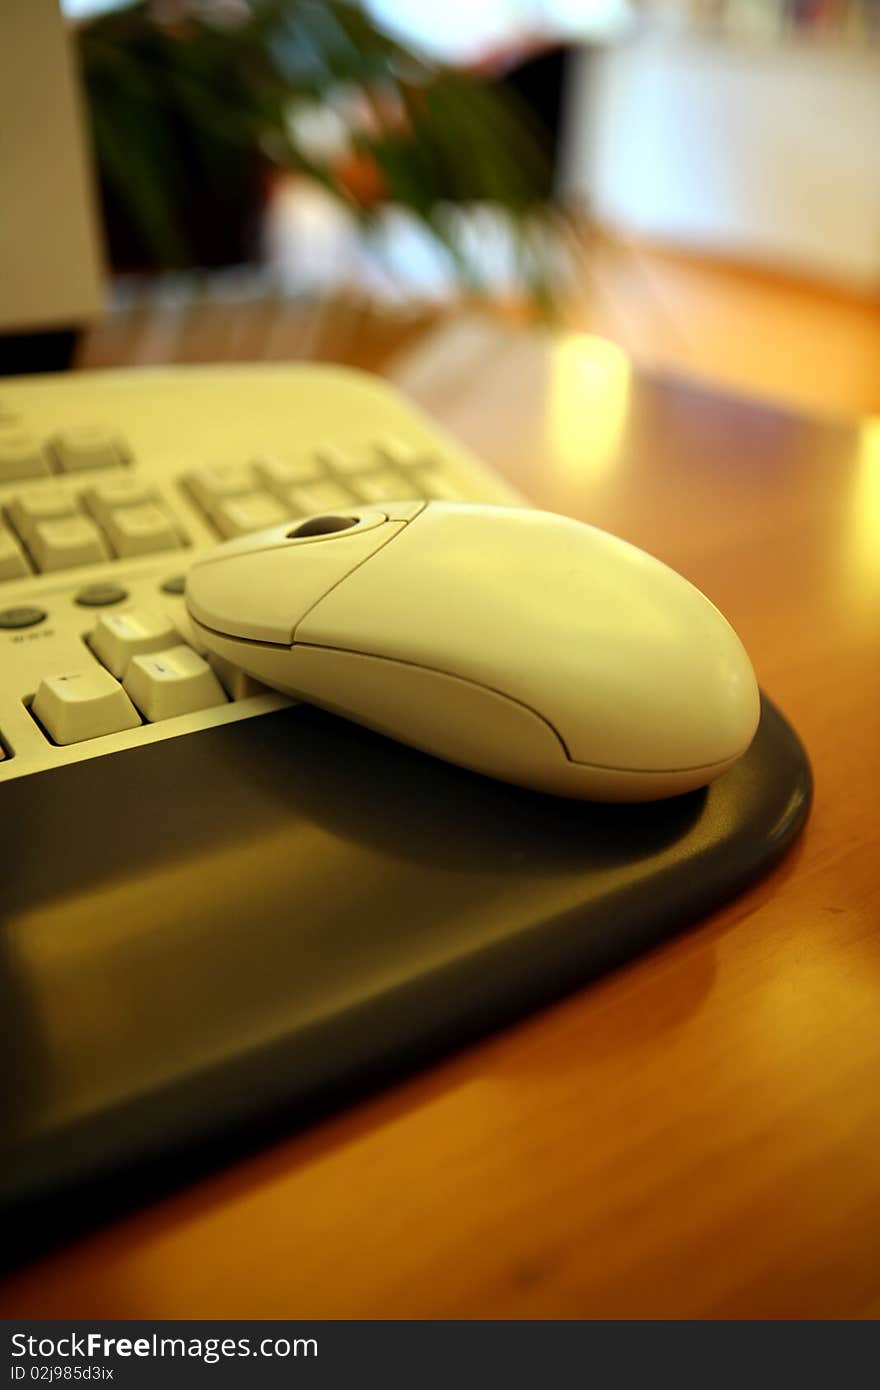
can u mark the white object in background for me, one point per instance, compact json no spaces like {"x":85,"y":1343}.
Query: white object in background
{"x":83,"y":704}
{"x":168,"y":683}
{"x":463,"y":31}
{"x":120,"y":636}
{"x":50,"y":271}
{"x":767,"y":153}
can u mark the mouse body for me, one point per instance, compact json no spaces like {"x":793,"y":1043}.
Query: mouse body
{"x":517,"y":643}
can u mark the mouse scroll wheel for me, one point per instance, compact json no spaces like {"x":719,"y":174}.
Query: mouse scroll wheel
{"x":322,"y":526}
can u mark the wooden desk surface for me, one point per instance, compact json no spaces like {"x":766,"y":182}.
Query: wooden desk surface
{"x":698,"y":1135}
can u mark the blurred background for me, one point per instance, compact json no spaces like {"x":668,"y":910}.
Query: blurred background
{"x":409,"y":185}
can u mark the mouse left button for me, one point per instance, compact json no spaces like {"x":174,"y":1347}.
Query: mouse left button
{"x":261,"y":595}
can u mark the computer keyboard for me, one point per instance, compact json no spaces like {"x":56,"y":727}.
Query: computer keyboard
{"x":112,"y":482}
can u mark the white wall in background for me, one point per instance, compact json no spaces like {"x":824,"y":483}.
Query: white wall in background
{"x":461,"y":31}
{"x":771,"y":154}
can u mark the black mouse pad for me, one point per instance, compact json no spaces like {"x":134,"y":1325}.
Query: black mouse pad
{"x":214,"y":938}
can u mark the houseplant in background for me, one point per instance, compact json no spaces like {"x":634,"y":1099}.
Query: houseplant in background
{"x":196,"y":106}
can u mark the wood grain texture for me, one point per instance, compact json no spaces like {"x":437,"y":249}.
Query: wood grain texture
{"x":697,"y":1135}
{"x":775,"y":336}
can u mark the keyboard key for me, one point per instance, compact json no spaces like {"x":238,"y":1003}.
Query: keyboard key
{"x":105,"y":498}
{"x":141,"y":530}
{"x":12,"y":562}
{"x":401,"y":453}
{"x":433,"y":484}
{"x":59,"y":545}
{"x":318,"y":497}
{"x":172,"y":682}
{"x":345,"y":461}
{"x":382,"y":487}
{"x":88,"y":446}
{"x":218,"y":482}
{"x":117,"y":637}
{"x":84,"y":703}
{"x":255,"y":512}
{"x":21,"y":456}
{"x":280,"y":474}
{"x":35,"y":505}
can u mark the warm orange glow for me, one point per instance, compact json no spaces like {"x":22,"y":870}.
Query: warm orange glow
{"x":587,"y":404}
{"x":865,"y":530}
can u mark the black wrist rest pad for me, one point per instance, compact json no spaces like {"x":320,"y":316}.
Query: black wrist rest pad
{"x":217,"y":936}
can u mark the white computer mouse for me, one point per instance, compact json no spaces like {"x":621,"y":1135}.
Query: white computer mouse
{"x":517,"y":643}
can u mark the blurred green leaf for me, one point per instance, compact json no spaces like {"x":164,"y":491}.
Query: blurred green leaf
{"x":186,"y":110}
